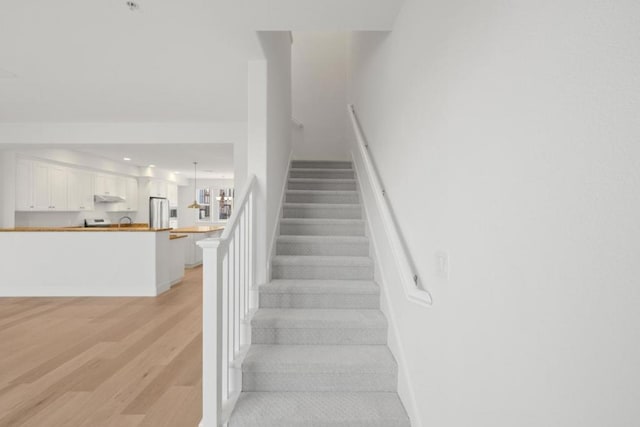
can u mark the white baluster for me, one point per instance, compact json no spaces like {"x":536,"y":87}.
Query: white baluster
{"x":236,"y":290}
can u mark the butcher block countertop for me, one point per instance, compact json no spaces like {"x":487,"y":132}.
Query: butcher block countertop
{"x":177,"y":236}
{"x":198,"y":229}
{"x":111,"y":228}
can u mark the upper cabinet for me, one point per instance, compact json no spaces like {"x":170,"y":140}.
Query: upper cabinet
{"x":41,"y":186}
{"x":24,"y":186}
{"x":129,"y":192}
{"x":45,"y":187}
{"x":158,"y":188}
{"x":110,"y":185}
{"x":80,"y":190}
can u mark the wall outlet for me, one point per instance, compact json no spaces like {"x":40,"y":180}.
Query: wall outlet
{"x":442,"y":265}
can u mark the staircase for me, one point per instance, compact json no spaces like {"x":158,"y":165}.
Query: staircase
{"x":318,"y":355}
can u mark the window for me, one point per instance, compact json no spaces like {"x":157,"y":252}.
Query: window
{"x":214,"y":209}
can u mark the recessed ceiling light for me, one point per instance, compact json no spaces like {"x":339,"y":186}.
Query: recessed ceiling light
{"x":127,"y":159}
{"x":152,"y":166}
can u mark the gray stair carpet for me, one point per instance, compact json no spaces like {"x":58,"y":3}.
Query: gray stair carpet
{"x":319,"y":354}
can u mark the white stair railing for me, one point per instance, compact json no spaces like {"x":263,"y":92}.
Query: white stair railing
{"x":413,"y":289}
{"x":228,"y":275}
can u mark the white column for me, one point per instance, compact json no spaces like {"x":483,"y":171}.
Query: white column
{"x":211,"y":332}
{"x":257,"y":160}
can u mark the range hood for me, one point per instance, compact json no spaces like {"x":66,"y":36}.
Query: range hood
{"x":105,"y":198}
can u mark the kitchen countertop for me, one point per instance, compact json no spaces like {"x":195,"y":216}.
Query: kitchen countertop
{"x":177,"y":236}
{"x":198,"y":229}
{"x":112,"y":228}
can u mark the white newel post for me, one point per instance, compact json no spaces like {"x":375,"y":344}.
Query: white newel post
{"x":211,"y":332}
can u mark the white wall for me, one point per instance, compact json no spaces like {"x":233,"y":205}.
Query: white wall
{"x":319,"y":89}
{"x":507,"y":134}
{"x":277,"y":50}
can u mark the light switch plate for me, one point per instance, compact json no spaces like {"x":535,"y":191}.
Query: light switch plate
{"x":442,"y":265}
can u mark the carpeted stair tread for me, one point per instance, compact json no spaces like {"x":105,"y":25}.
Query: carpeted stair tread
{"x":322,"y":164}
{"x":322,"y":221}
{"x":322,"y":196}
{"x":319,"y":359}
{"x":319,"y":409}
{"x":322,"y":245}
{"x":316,"y":294}
{"x":318,"y":319}
{"x":320,"y":287}
{"x":342,"y":261}
{"x":336,"y":206}
{"x":323,"y":239}
{"x":344,"y":184}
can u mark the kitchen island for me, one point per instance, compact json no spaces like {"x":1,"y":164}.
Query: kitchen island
{"x":76,"y":261}
{"x":193,"y":252}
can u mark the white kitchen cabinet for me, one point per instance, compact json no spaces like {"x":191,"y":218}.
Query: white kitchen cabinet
{"x":80,"y":190}
{"x":172,"y":194}
{"x":58,"y":184}
{"x":130,"y":194}
{"x":24,"y":187}
{"x":40,"y":183}
{"x":158,"y":188}
{"x":109,"y":185}
{"x":193,"y":252}
{"x":41,"y":186}
{"x":131,"y":191}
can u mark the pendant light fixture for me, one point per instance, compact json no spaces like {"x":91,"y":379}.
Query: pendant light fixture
{"x":195,"y":204}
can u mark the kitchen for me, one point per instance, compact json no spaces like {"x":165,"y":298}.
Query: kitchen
{"x":109,"y":220}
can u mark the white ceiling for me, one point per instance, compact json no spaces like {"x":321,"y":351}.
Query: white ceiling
{"x":320,"y":15}
{"x":81,"y":61}
{"x":97,"y":61}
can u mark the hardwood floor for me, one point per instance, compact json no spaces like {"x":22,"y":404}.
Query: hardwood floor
{"x":116,"y":362}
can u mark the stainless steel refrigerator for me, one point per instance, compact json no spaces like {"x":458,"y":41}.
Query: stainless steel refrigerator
{"x":158,"y":212}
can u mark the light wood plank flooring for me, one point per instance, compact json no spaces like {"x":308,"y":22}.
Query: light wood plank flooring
{"x":116,"y":362}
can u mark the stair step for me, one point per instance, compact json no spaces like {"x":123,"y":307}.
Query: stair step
{"x":321,"y":227}
{"x":320,"y":294}
{"x":321,"y":164}
{"x":322,"y":210}
{"x":323,"y":245}
{"x":321,"y":184}
{"x":320,"y":326}
{"x":322,"y":196}
{"x":319,"y":368}
{"x":322,"y":173}
{"x":319,"y":409}
{"x":322,"y":267}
